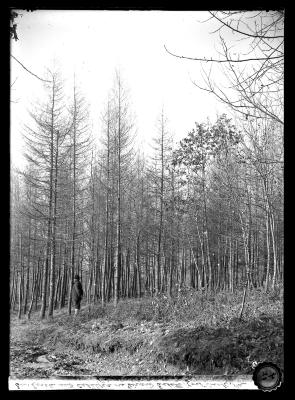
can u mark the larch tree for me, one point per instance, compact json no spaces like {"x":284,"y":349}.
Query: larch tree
{"x":78,"y":145}
{"x":159,"y":173}
{"x":44,"y":149}
{"x":123,"y":137}
{"x":107,"y":155}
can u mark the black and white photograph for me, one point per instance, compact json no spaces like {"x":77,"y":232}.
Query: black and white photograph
{"x":146,"y":199}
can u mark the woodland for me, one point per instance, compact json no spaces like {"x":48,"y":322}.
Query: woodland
{"x":189,"y":237}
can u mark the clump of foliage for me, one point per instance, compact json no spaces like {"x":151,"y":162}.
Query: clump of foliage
{"x":13,"y":26}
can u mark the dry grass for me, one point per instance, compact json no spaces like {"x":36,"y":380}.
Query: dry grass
{"x":159,"y":335}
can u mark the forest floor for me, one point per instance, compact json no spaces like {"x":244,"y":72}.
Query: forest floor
{"x":195,"y":333}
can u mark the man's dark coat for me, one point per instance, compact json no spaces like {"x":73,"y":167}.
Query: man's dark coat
{"x":77,"y":291}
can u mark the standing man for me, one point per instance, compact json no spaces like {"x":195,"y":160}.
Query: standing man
{"x":77,"y":293}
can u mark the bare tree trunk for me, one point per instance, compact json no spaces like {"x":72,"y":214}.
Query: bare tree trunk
{"x":274,"y":247}
{"x":28,"y":271}
{"x":106,"y":250}
{"x":196,"y":263}
{"x":218,"y":265}
{"x":49,"y":227}
{"x":203,"y":277}
{"x":57,"y":289}
{"x":245,"y":237}
{"x":138,"y":266}
{"x":34,"y":290}
{"x":230,"y":267}
{"x":12,"y":288}
{"x":63,"y":280}
{"x":20,"y":296}
{"x":118,"y":244}
{"x":244,"y":298}
{"x":53,"y":236}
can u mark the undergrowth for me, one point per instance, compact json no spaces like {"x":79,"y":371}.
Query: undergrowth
{"x":191,"y":305}
{"x":230,"y":349}
{"x":195,"y":330}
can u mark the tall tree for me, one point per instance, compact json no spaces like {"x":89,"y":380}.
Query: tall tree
{"x":123,"y":158}
{"x":78,"y":151}
{"x":162,"y":148}
{"x":44,"y":141}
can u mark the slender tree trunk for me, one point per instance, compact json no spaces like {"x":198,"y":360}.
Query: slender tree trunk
{"x":12,"y":288}
{"x":230,"y":267}
{"x":196,"y":263}
{"x":274,"y":247}
{"x":49,"y":227}
{"x":34,"y":289}
{"x":20,"y":296}
{"x":203,"y":277}
{"x":28,"y":271}
{"x":118,"y":244}
{"x":218,"y":265}
{"x":244,"y":299}
{"x":138,"y":266}
{"x":62,"y":286}
{"x":53,"y":236}
{"x":246,"y":244}
{"x":57,"y":289}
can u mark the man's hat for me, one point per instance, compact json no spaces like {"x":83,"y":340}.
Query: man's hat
{"x":77,"y":277}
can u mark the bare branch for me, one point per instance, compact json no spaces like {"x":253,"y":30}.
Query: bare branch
{"x":30,"y":72}
{"x":13,"y":82}
{"x":204,"y":59}
{"x":242,"y":32}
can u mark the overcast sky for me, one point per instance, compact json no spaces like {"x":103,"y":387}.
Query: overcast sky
{"x":94,"y":43}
